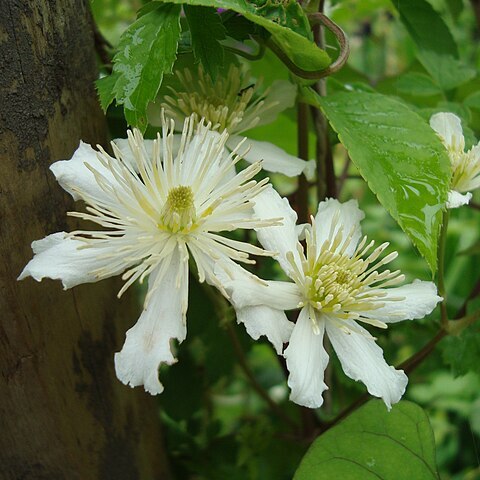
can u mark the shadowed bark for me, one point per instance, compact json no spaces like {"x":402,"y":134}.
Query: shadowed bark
{"x":63,"y":414}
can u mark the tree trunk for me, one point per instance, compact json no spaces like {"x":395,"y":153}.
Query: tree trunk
{"x":64,"y":415}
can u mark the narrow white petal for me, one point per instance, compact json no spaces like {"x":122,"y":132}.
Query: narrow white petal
{"x":262,"y":320}
{"x":280,"y":96}
{"x":362,"y":360}
{"x":59,"y":257}
{"x":420,"y":298}
{"x":456,"y":199}
{"x":148,"y":342}
{"x":273,"y":158}
{"x":75,"y":177}
{"x":347,"y":216}
{"x":449,"y":127}
{"x":280,"y":239}
{"x":127,"y":154}
{"x":306,"y":362}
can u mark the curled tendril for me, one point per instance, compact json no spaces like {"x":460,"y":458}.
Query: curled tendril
{"x":315,"y":19}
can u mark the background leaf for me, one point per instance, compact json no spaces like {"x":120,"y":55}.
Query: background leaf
{"x":206,"y":30}
{"x":147,"y":51}
{"x":299,"y":47}
{"x":400,"y":157}
{"x":373,"y":443}
{"x":437,"y":49}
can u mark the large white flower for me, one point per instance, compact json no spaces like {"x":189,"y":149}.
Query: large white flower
{"x":232,"y":104}
{"x":465,"y":165}
{"x":337,"y":286}
{"x":154,"y":210}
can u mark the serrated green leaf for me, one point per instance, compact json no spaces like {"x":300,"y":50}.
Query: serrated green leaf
{"x":463,"y":351}
{"x":105,"y":90}
{"x":299,"y":47}
{"x":437,"y":49}
{"x":399,"y":155}
{"x":147,"y":51}
{"x":417,"y":84}
{"x":373,"y":444}
{"x":206,"y":30}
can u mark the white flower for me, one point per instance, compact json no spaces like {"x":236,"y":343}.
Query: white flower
{"x":465,"y":165}
{"x":234,"y":105}
{"x":336,"y":284}
{"x":154,"y":211}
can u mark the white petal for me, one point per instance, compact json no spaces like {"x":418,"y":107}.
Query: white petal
{"x":362,"y":360}
{"x":280,"y":96}
{"x":59,"y":257}
{"x":266,"y":321}
{"x":273,"y":159}
{"x":306,"y":362}
{"x":348,"y":217}
{"x":148,"y":342}
{"x":456,"y":199}
{"x":280,"y":239}
{"x":449,"y":127}
{"x":420,"y":298}
{"x":74,"y":176}
{"x":127,"y":155}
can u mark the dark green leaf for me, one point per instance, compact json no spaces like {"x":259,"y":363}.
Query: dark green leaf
{"x":437,"y":49}
{"x":399,"y":155}
{"x":373,"y":444}
{"x":417,"y":84}
{"x":463,"y":351}
{"x":473,"y":101}
{"x":206,"y":30}
{"x":286,"y":22}
{"x":105,"y":90}
{"x":147,"y":51}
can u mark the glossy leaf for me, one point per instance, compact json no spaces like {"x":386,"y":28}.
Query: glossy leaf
{"x":147,"y":51}
{"x":373,"y":444}
{"x":206,"y":31}
{"x":400,"y":157}
{"x":437,"y":49}
{"x":105,"y":86}
{"x":285,"y":22}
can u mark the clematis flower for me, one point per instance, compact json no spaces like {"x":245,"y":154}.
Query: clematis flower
{"x":232,"y":104}
{"x":154,"y":210}
{"x":465,"y":165}
{"x":337,"y":287}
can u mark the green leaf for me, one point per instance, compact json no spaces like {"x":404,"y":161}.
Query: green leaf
{"x":473,"y":101}
{"x":206,"y":30}
{"x":373,"y":444}
{"x":399,"y":155}
{"x":437,"y":49}
{"x":147,"y":51}
{"x":463,"y":351}
{"x":105,"y":90}
{"x":287,"y":24}
{"x":417,"y":84}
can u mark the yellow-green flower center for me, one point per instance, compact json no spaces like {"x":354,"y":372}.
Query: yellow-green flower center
{"x":334,"y":281}
{"x":222,"y":103}
{"x":179,"y":210}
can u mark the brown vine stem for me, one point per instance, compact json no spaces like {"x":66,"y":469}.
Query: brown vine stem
{"x":301,"y":195}
{"x":339,"y":34}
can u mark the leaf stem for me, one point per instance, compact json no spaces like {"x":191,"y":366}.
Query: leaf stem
{"x":441,"y":269}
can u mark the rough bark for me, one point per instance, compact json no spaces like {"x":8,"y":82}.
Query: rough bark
{"x":63,"y":414}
